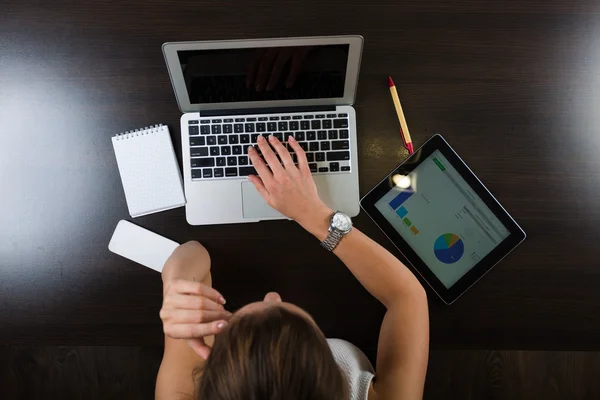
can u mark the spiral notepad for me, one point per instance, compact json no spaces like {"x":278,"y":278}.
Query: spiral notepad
{"x":149,"y":170}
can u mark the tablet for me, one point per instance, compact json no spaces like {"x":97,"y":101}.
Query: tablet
{"x":440,"y":216}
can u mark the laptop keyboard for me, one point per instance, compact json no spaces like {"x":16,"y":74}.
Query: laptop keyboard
{"x":219,"y":146}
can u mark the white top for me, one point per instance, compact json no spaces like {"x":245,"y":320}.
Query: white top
{"x":355,"y":365}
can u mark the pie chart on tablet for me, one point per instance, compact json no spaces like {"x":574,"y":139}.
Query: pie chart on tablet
{"x":448,"y":248}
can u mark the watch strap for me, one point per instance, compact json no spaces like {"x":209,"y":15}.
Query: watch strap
{"x":333,"y":238}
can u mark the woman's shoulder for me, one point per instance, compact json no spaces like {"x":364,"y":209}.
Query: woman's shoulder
{"x":356,"y":367}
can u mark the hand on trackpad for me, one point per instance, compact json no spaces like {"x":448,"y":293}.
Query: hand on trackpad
{"x":254,"y":206}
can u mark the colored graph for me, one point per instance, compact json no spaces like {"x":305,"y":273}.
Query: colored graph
{"x":448,"y":248}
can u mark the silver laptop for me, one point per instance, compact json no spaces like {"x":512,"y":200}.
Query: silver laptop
{"x":233,"y":91}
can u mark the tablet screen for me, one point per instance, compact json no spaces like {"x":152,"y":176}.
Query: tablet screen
{"x":441,"y":218}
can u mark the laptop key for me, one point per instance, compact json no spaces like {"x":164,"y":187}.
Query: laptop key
{"x":304,"y":145}
{"x":313,"y":167}
{"x":207,"y":173}
{"x":310,"y":157}
{"x":272,"y":126}
{"x":330,"y":115}
{"x":286,"y":117}
{"x":342,"y":115}
{"x":231,"y":171}
{"x":320,"y":157}
{"x":218,"y":172}
{"x":325,"y":146}
{"x":313,"y":146}
{"x":320,"y":116}
{"x":299,"y":136}
{"x":211,"y":140}
{"x":231,"y":161}
{"x":283,"y":126}
{"x":308,"y":116}
{"x":240,"y":119}
{"x":327,"y":124}
{"x":245,"y":171}
{"x":316,"y":124}
{"x":311,"y":135}
{"x":205,"y":129}
{"x":287,"y":135}
{"x":297,"y":117}
{"x":249,"y":128}
{"x":263,"y":118}
{"x":234,"y":139}
{"x":203,"y":162}
{"x":226,"y":150}
{"x":323,"y":169}
{"x":294,"y":126}
{"x":194,"y":130}
{"x":344,"y":134}
{"x":221,"y":161}
{"x":340,"y":145}
{"x":205,"y":121}
{"x":305,"y":125}
{"x":254,"y":138}
{"x":338,"y":156}
{"x":322,"y":135}
{"x":261,"y":127}
{"x":340,"y":123}
{"x":334,"y":166}
{"x":214,"y":151}
{"x":216,"y":121}
{"x":222,"y":139}
{"x":198,"y":151}
{"x":333,"y":135}
{"x":197,"y":141}
{"x":238,"y":128}
{"x":346,"y":168}
{"x":196,"y":173}
{"x":228,"y":128}
{"x":244,"y":138}
{"x":273,"y":118}
{"x":251,"y":119}
{"x":237,"y":149}
{"x":243,"y":160}
{"x":216,"y":129}
{"x":279,"y":136}
{"x":228,"y":120}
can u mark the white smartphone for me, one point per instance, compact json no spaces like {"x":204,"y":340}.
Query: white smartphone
{"x":141,"y":245}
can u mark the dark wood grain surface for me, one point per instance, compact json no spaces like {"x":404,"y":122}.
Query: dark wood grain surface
{"x":513,"y":86}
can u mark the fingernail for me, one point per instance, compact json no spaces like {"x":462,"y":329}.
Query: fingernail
{"x":260,"y":138}
{"x":271,"y":137}
{"x":291,"y":139}
{"x":222,"y":300}
{"x":250,"y":148}
{"x":221,"y":324}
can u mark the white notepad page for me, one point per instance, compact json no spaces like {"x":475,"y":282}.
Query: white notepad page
{"x":149,"y":170}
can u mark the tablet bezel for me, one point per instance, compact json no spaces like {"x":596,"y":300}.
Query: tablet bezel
{"x":517,"y":235}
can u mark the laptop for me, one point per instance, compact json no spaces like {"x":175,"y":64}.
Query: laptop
{"x":233,"y":91}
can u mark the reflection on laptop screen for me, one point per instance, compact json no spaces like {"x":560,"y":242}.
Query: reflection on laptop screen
{"x":264,"y":73}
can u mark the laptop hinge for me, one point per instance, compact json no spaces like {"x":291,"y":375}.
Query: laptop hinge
{"x":266,"y":110}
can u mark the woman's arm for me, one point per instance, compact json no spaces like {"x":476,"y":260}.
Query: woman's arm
{"x":185,"y":274}
{"x":404,"y":338}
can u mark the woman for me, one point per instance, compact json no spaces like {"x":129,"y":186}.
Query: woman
{"x":274,"y":350}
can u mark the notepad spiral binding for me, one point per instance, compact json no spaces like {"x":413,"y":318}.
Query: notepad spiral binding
{"x":138,"y":132}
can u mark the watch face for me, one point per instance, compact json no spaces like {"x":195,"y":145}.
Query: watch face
{"x":341,"y":222}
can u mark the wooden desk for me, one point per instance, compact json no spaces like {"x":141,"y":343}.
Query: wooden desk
{"x":513,"y":86}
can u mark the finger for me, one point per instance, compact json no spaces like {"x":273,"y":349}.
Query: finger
{"x":269,"y":156}
{"x":259,"y":165}
{"x":265,"y":68}
{"x":280,"y":62}
{"x":284,"y":154}
{"x":251,"y":75}
{"x":260,"y":186}
{"x":193,"y":331}
{"x":189,"y":287}
{"x":199,"y":347}
{"x":302,"y":162}
{"x":177,"y":316}
{"x":192,"y":302}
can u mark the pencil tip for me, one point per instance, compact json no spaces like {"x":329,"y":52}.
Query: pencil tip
{"x":390,"y":82}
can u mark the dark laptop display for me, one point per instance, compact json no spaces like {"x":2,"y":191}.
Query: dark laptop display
{"x":262,"y":74}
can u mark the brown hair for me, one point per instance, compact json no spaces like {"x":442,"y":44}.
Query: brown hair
{"x":274,"y":354}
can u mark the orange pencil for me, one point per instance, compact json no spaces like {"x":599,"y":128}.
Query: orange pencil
{"x":403,"y":126}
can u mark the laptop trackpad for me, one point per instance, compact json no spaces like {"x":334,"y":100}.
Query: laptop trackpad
{"x":254,"y":206}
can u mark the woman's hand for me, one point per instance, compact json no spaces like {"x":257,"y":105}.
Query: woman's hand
{"x":191,"y":311}
{"x":288,"y":188}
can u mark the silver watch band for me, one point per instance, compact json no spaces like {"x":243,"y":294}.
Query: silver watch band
{"x":333,"y":238}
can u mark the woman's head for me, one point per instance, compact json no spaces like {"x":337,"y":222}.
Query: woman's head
{"x":271,"y":350}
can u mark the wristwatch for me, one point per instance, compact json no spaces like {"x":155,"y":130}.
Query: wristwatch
{"x":340,"y":226}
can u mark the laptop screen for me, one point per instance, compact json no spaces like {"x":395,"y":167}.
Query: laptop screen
{"x":264,"y":73}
